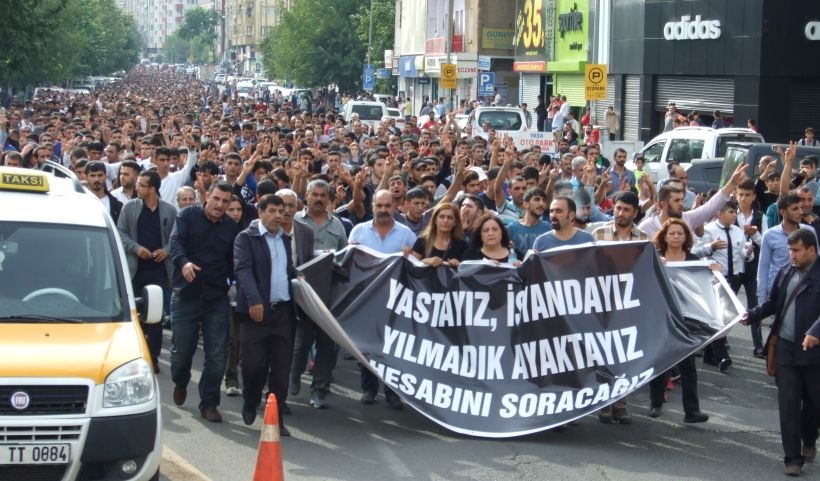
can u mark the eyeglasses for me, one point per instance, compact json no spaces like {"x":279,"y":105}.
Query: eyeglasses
{"x":140,"y":185}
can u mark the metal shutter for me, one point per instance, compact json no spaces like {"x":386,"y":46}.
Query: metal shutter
{"x":632,"y":104}
{"x":573,"y":87}
{"x":804,"y":107}
{"x":703,"y":94}
{"x":599,"y":111}
{"x":530,"y":89}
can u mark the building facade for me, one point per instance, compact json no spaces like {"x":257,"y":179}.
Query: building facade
{"x":157,"y":19}
{"x":750,"y":60}
{"x":247,"y":23}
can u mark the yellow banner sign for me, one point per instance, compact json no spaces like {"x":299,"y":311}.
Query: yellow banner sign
{"x":595,"y":81}
{"x":449,"y":76}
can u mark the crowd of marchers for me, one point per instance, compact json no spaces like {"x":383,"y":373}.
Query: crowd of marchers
{"x":220,"y":199}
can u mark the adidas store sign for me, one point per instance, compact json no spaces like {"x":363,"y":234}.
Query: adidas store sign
{"x":688,"y":29}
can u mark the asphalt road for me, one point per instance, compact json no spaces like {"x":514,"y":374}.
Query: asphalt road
{"x":351,"y":441}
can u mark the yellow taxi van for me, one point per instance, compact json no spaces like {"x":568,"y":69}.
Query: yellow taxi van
{"x":79,"y":399}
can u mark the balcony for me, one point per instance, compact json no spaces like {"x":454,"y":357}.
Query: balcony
{"x":458,"y":43}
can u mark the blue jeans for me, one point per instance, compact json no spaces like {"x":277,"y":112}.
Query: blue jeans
{"x":188,"y":317}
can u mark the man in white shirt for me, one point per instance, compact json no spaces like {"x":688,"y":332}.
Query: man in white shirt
{"x":726,"y":242}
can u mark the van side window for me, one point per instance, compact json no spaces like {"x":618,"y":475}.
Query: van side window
{"x":654,"y":152}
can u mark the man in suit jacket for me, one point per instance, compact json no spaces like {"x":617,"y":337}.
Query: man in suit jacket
{"x":145,"y":226}
{"x":795,"y":302}
{"x":263,"y":267}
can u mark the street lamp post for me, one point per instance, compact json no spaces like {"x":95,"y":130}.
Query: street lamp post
{"x":370,"y":35}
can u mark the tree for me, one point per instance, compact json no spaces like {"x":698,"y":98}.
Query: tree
{"x":198,"y":28}
{"x":51,"y":41}
{"x":384,"y":15}
{"x":177,"y":49}
{"x":199,"y":22}
{"x":313,"y":48}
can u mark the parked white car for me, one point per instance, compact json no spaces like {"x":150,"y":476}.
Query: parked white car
{"x":684,"y":144}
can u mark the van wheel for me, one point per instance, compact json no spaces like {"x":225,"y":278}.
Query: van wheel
{"x":155,"y":477}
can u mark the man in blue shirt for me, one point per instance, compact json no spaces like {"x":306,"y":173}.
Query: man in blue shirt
{"x":562,"y":216}
{"x":524,"y":231}
{"x":774,"y":250}
{"x":201,"y":249}
{"x":382,"y":234}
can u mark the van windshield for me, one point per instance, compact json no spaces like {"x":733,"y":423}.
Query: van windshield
{"x":58,"y":271}
{"x":734,"y":156}
{"x":500,"y":119}
{"x":368,"y":112}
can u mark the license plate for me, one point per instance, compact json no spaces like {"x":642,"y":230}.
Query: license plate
{"x":35,"y":454}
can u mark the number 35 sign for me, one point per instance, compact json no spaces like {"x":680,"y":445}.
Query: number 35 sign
{"x":529,"y":28}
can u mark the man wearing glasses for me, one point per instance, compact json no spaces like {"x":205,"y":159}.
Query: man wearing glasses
{"x":145,"y":226}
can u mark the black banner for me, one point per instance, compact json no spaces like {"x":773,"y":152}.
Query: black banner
{"x":497,"y":351}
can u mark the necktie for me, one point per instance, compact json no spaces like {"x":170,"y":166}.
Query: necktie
{"x":731,"y":261}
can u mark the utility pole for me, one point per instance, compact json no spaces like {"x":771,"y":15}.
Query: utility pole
{"x":449,"y":47}
{"x":370,"y":34}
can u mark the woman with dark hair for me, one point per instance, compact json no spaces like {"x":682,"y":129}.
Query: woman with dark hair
{"x":236,"y":211}
{"x":674,"y":243}
{"x":491,"y":241}
{"x":442,"y":241}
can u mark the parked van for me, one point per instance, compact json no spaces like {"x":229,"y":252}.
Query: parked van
{"x":370,"y":112}
{"x":684,"y":144}
{"x":750,"y":154}
{"x":79,"y":399}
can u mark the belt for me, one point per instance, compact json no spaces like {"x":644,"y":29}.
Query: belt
{"x":279,"y":305}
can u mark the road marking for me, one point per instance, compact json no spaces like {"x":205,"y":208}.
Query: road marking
{"x":176,"y":468}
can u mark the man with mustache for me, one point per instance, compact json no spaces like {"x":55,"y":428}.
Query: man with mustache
{"x":385,"y":235}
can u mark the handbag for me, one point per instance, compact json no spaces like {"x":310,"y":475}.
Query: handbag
{"x":771,"y":365}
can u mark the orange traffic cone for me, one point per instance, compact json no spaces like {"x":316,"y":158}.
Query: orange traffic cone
{"x":269,"y":459}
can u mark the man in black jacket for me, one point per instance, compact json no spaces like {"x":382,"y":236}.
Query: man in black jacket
{"x":263,"y":267}
{"x":795,"y":303}
{"x":201,"y":249}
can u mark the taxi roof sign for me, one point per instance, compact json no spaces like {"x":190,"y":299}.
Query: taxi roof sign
{"x":23,"y":181}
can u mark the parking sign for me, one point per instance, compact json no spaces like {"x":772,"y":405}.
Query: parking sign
{"x":368,"y":78}
{"x":486,"y":83}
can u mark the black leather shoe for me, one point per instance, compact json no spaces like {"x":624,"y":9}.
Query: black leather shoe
{"x":655,"y":412}
{"x":724,"y":364}
{"x":368,"y":397}
{"x":695,"y":417}
{"x":394,"y":402}
{"x":179,"y":395}
{"x":248,"y":414}
{"x":211,"y":414}
{"x":759,"y":353}
{"x":295,"y":387}
{"x":283,"y":431}
{"x":317,"y":400}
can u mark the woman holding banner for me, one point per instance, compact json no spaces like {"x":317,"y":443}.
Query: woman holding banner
{"x":493,"y":242}
{"x":442,"y":241}
{"x":674,"y":243}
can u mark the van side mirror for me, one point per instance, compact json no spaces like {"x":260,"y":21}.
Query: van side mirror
{"x":149,"y":304}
